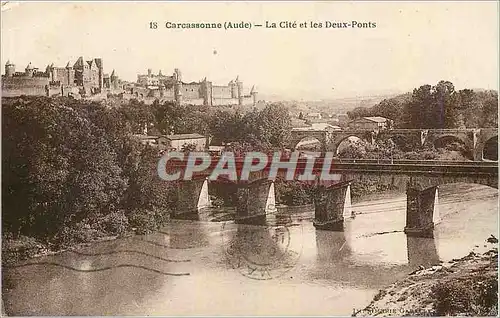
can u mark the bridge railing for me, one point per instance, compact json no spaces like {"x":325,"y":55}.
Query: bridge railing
{"x":286,"y":156}
{"x":419,"y":162}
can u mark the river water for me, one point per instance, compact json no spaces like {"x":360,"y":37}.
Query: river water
{"x":286,"y":267}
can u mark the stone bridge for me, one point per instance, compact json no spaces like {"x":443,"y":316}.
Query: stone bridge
{"x":473,"y":139}
{"x":256,"y":198}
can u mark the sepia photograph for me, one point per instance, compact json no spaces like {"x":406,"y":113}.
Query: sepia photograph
{"x":249,"y":158}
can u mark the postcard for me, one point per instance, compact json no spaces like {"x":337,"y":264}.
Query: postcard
{"x":250,"y":158}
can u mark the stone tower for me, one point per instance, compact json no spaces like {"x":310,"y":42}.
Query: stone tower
{"x":234,"y":89}
{"x":178,"y":85}
{"x":29,"y":70}
{"x":113,"y":80}
{"x":206,"y":90}
{"x":98,"y":62}
{"x":10,"y":69}
{"x":178,"y":75}
{"x":71,"y":74}
{"x":239,"y":86}
{"x":254,"y":94}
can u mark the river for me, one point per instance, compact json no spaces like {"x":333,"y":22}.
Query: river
{"x":220,"y":268}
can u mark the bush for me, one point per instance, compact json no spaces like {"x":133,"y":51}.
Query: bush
{"x":21,"y":248}
{"x":217,"y":202}
{"x":115,"y":222}
{"x":145,"y":221}
{"x":475,"y":296}
{"x":293,"y":193}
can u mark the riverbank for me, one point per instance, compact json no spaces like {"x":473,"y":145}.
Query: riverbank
{"x":466,"y":286}
{"x":24,"y":248}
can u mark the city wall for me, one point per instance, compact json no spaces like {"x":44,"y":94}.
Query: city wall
{"x":17,"y":86}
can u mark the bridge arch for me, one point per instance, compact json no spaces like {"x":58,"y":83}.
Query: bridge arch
{"x":444,"y":140}
{"x":365,"y":136}
{"x":307,"y":143}
{"x":489,"y":150}
{"x":300,"y":134}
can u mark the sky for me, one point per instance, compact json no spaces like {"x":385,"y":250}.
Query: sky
{"x":414,"y":43}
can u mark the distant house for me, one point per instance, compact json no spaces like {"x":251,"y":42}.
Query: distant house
{"x":370,"y":123}
{"x":156,"y":141}
{"x":178,"y":141}
{"x":216,"y":150}
{"x":174,"y":142}
{"x":312,"y":116}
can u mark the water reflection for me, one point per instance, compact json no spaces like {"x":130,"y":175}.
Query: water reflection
{"x":337,"y":262}
{"x":80,"y":283}
{"x":332,"y":246}
{"x":422,"y":251}
{"x":186,"y":235}
{"x":260,"y":252}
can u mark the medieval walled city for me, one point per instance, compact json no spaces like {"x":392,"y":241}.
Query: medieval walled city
{"x":86,"y":79}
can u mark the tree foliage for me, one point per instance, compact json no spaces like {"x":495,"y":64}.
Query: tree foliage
{"x":69,"y":165}
{"x":439,"y":106}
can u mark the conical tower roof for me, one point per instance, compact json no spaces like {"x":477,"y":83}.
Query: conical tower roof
{"x":79,"y":62}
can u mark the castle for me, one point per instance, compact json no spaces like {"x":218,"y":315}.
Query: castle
{"x":87,"y":79}
{"x":204,"y":92}
{"x":83,"y":78}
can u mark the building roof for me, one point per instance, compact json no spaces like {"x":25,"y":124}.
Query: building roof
{"x":376,"y":119}
{"x":98,"y":62}
{"x":184,"y":136}
{"x":79,"y":62}
{"x":313,"y":114}
{"x":146,"y":137}
{"x":216,"y":148}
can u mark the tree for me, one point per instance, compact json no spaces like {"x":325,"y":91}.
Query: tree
{"x":269,"y":128}
{"x":70,"y":172}
{"x":489,"y":111}
{"x":226,"y":126}
{"x":444,"y":110}
{"x":138,"y":115}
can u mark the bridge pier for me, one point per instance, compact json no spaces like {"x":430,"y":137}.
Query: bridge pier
{"x":254,"y":200}
{"x":330,"y":206}
{"x":192,"y":196}
{"x":421,"y":205}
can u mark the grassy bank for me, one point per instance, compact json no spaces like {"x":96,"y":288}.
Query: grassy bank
{"x":462,"y":287}
{"x":15,"y":249}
